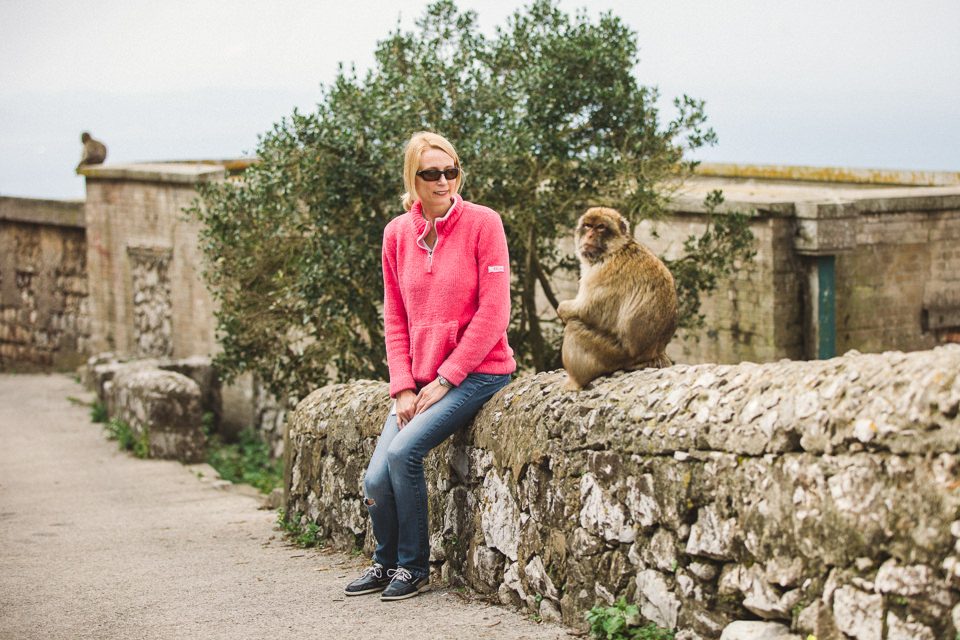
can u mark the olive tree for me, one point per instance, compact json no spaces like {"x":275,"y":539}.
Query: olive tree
{"x":548,"y":118}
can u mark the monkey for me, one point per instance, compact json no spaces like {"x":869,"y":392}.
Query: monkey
{"x":625,"y":311}
{"x":94,"y":151}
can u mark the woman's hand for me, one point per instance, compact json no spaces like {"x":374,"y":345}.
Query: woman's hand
{"x":429,"y":395}
{"x":406,"y":407}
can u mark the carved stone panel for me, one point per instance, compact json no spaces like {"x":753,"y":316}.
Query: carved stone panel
{"x":152,"y":307}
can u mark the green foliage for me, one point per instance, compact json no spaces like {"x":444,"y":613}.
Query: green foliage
{"x":309,"y":536}
{"x":127,"y":439}
{"x":248,"y":461}
{"x":98,"y":412}
{"x":620,"y":622}
{"x":208,"y":423}
{"x":709,"y":258}
{"x":548,"y":118}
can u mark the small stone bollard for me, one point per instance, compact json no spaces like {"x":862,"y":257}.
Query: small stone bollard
{"x":162,"y":405}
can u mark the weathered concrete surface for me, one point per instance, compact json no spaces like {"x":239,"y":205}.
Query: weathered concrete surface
{"x":95,"y":543}
{"x":822,"y":495}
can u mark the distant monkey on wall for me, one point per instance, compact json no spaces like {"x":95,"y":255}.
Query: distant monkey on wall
{"x":94,"y":151}
{"x":626,"y":308}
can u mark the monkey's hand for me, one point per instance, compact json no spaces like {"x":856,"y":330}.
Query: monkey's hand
{"x":566,"y":310}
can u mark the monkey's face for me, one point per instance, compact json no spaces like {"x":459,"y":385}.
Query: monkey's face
{"x":597,"y":231}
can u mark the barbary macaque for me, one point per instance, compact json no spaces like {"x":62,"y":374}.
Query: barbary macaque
{"x":94,"y":151}
{"x":626,"y":309}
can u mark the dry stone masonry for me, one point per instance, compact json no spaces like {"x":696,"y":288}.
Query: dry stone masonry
{"x":818,"y":497}
{"x":44,"y":319}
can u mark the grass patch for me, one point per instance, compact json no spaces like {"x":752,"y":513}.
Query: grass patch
{"x":98,"y":412}
{"x":127,"y":439}
{"x":248,"y":461}
{"x":305,"y":537}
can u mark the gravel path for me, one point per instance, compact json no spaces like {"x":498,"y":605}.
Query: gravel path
{"x":95,"y":543}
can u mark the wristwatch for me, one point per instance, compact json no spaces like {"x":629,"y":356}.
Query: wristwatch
{"x":444,"y":382}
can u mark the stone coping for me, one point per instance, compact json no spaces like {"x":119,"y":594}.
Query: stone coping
{"x":163,"y":172}
{"x":762,"y":190}
{"x":62,"y":213}
{"x":783,"y":200}
{"x":849,"y":175}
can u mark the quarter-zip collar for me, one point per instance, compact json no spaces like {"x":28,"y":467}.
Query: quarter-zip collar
{"x":421,"y":227}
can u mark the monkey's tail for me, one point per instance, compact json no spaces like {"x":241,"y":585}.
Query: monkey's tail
{"x":662,"y":360}
{"x":659,"y":361}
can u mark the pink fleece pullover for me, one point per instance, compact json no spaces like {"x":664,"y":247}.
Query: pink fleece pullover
{"x":446,"y":311}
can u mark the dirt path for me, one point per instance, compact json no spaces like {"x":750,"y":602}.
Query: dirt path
{"x":95,"y":543}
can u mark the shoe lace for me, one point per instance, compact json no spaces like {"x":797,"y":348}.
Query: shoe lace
{"x":376,"y":570}
{"x":400,"y":574}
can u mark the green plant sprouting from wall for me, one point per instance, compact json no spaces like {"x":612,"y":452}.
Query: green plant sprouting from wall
{"x":622,"y":622}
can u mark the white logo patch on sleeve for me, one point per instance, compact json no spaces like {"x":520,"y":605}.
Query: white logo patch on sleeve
{"x":495,"y":269}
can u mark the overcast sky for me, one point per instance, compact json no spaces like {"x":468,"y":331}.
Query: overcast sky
{"x":842,"y":83}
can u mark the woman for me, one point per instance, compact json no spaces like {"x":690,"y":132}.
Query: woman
{"x":446,"y":275}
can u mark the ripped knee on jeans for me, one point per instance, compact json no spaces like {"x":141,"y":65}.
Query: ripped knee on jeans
{"x":369,"y":502}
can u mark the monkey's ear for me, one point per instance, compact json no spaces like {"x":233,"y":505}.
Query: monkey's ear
{"x":622,"y":223}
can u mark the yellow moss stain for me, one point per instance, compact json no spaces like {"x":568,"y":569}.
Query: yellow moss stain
{"x":830,"y":174}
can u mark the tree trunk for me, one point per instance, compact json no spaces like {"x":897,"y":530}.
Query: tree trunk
{"x":528,"y":295}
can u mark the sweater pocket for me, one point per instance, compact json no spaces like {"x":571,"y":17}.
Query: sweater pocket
{"x":429,"y":347}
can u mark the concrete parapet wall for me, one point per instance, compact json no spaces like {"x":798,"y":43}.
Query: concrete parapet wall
{"x":823,"y":495}
{"x":147,"y":298}
{"x":893,"y":235}
{"x":44,"y":322}
{"x":897,"y":263}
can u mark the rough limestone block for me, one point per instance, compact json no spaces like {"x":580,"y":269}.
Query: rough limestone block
{"x":748,"y":630}
{"x":100,"y":370}
{"x":164,"y":408}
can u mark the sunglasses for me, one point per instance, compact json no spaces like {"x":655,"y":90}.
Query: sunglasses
{"x":432,"y":175}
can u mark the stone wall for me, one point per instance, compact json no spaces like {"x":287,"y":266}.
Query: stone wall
{"x":147,"y":297}
{"x":822,"y":495}
{"x":44,"y":320}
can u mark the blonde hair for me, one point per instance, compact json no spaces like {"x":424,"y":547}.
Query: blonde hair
{"x":420,"y":142}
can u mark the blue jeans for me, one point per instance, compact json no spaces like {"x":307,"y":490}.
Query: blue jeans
{"x":394,"y":481}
